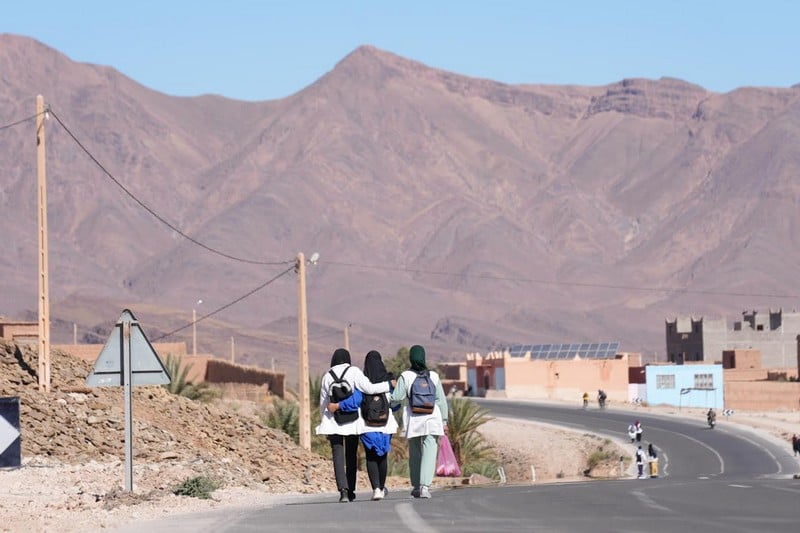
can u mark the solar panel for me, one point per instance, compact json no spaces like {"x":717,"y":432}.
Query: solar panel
{"x":602,"y":350}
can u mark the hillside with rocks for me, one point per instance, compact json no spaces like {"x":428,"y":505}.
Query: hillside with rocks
{"x":461,"y":213}
{"x":77,"y":425}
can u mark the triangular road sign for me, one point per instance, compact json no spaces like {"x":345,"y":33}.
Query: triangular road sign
{"x":146,"y":367}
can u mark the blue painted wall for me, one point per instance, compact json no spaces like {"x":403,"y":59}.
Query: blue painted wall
{"x":665,"y":383}
{"x":472,"y":379}
{"x":500,"y":378}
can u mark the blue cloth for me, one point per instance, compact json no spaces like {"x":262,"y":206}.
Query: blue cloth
{"x":376,"y":441}
{"x":352,"y":403}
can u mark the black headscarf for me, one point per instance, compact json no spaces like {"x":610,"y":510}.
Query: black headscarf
{"x":340,"y":356}
{"x":374,"y":368}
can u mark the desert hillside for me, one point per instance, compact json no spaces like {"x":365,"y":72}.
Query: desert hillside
{"x":457,"y":212}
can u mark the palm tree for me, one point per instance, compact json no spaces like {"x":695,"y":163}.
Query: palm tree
{"x":285,"y":416}
{"x":181,"y":386}
{"x":462,"y":424}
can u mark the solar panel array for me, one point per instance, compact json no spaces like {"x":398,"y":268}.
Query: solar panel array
{"x":595,"y":350}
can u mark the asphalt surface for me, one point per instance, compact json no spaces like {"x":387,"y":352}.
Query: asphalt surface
{"x":725,"y":479}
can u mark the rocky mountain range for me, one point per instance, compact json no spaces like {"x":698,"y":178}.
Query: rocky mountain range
{"x":460,"y":213}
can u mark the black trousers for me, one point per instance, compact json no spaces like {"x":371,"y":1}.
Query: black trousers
{"x":376,"y":468}
{"x":344,"y":449}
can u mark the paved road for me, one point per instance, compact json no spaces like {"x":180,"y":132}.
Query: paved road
{"x":716,"y":480}
{"x":689,"y":448}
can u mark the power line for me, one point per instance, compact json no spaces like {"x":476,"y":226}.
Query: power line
{"x":559,"y":283}
{"x":227,"y":305}
{"x":152,"y":212}
{"x":18,"y":122}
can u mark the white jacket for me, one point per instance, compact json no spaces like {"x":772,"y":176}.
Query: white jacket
{"x":416,"y":425}
{"x":357,"y":380}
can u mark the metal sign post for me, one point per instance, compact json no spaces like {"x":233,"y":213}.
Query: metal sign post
{"x":128,"y":393}
{"x":128,"y":359}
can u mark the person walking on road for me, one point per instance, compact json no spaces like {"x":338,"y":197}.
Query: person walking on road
{"x":585,"y":400}
{"x":795,"y":444}
{"x":640,"y":462}
{"x":652,"y":458}
{"x":422,"y":430}
{"x":377,"y":438}
{"x":638,"y":430}
{"x":343,"y":431}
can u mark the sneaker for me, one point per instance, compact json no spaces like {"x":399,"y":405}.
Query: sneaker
{"x":351,"y":495}
{"x":415,"y":492}
{"x":343,"y":496}
{"x":377,"y":494}
{"x":424,"y":492}
{"x":385,"y":492}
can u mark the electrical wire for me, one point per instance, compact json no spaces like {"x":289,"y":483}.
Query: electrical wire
{"x":22,"y":121}
{"x":152,"y":212}
{"x":559,"y":283}
{"x":227,"y":305}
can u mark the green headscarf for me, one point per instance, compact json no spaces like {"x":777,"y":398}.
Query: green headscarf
{"x":417,"y":357}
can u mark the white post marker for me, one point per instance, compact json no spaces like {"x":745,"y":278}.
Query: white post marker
{"x":533,"y":474}
{"x":128,"y":359}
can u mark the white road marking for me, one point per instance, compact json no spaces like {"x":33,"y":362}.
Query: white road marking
{"x":740,"y":486}
{"x":411,"y":519}
{"x":757,"y":445}
{"x":704,"y":445}
{"x":648,"y":502}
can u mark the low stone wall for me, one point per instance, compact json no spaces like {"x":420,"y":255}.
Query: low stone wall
{"x":762,"y":395}
{"x":219,"y":371}
{"x":244,"y":391}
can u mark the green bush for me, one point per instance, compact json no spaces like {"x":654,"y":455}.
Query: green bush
{"x":197,"y":487}
{"x":598,"y":456}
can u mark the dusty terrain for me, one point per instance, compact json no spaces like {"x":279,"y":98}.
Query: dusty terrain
{"x":72,"y":441}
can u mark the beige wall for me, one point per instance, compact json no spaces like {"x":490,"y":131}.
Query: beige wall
{"x":762,"y":395}
{"x":558,"y":380}
{"x":19,"y":331}
{"x":741,"y":359}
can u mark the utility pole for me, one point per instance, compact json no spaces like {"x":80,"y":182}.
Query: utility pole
{"x":347,"y":337}
{"x":194,"y":328}
{"x":44,"y":295}
{"x":302,"y":349}
{"x":233,"y":352}
{"x":74,"y":333}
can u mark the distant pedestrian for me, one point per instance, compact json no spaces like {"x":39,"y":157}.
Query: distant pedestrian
{"x":638,"y":429}
{"x":601,"y":398}
{"x":640,"y":462}
{"x":585,"y":400}
{"x":652,"y":458}
{"x":795,"y":444}
{"x":632,"y":432}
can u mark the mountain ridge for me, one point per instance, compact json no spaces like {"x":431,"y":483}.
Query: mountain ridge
{"x":439,"y":203}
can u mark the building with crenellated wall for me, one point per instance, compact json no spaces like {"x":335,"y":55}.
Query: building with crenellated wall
{"x":773,"y":334}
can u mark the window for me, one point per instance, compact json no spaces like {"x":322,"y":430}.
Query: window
{"x":703,"y":381}
{"x":665,"y":381}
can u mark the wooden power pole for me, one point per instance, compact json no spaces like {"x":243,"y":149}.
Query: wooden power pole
{"x":44,"y":296}
{"x":302,"y":348}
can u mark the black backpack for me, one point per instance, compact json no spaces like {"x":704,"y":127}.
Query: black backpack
{"x":341,"y":390}
{"x":422,"y":396}
{"x":375,"y":409}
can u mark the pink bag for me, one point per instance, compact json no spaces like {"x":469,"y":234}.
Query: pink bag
{"x":446,"y":464}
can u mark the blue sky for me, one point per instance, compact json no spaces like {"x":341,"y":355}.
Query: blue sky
{"x":260,"y":50}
